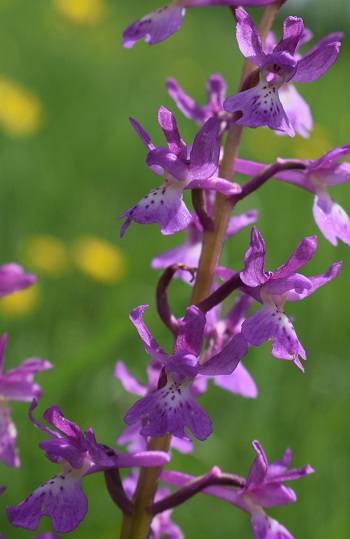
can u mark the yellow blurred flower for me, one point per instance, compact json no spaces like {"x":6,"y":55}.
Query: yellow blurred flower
{"x":99,"y":260}
{"x":20,"y":303}
{"x":46,"y":254}
{"x":313,"y":147}
{"x":82,"y":11}
{"x":20,"y":111}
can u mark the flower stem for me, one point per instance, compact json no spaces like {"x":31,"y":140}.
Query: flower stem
{"x":137,"y":525}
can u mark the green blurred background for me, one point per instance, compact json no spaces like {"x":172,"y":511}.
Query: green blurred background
{"x":69,"y":165}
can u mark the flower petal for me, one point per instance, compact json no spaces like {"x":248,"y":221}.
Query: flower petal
{"x":62,"y":499}
{"x":167,"y":122}
{"x":331,"y":219}
{"x":155,"y":27}
{"x":248,"y":38}
{"x":13,"y":278}
{"x":304,"y":251}
{"x":190,"y":335}
{"x":260,"y":106}
{"x":314,"y":65}
{"x":205,"y":152}
{"x":168,"y":410}
{"x":150,"y":344}
{"x":254,"y":261}
{"x":8,"y":436}
{"x":271,"y":323}
{"x":164,"y":206}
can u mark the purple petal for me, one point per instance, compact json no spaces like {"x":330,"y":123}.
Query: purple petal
{"x":169,"y":127}
{"x":331,"y":218}
{"x":130,"y":383}
{"x":216,"y":87}
{"x":287,"y":475}
{"x":8,"y":435}
{"x":271,"y":323}
{"x":272,"y":495}
{"x":294,"y":281}
{"x":265,"y":527}
{"x":17,"y":384}
{"x":249,"y":168}
{"x":131,"y":437}
{"x":168,"y":410}
{"x":144,"y":136}
{"x":293,"y":28}
{"x":163,"y":205}
{"x":183,"y":364}
{"x":169,"y":161}
{"x":218,"y":185}
{"x":227,"y":360}
{"x":314,"y":65}
{"x":61,"y":499}
{"x":185,"y":103}
{"x":240,"y":221}
{"x":150,"y":344}
{"x":248,"y":38}
{"x":187,"y":254}
{"x":284,"y":60}
{"x":55,"y":417}
{"x":260,"y":106}
{"x":258,"y":469}
{"x":297,"y":110}
{"x":154,"y":27}
{"x":254,"y":261}
{"x":190,"y":336}
{"x":326,"y":172}
{"x":205,"y":152}
{"x":239,"y":382}
{"x":280,"y":466}
{"x":145,"y":459}
{"x":13,"y":278}
{"x":58,"y":448}
{"x":316,"y":282}
{"x":325,"y":40}
{"x":304,"y":251}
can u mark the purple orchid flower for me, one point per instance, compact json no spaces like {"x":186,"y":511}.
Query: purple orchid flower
{"x":218,"y":332}
{"x":79,"y":454}
{"x":216,"y":88}
{"x":161,"y":525}
{"x":189,"y":252}
{"x":263,"y":488}
{"x":16,"y":385}
{"x":317,"y":175}
{"x":295,"y":107}
{"x":162,"y":23}
{"x":13,"y":278}
{"x":131,"y":435}
{"x":261,"y":105}
{"x":273,"y":290}
{"x":182,"y":168}
{"x":172,"y":406}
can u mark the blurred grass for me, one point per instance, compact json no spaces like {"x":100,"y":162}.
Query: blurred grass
{"x":82,"y":165}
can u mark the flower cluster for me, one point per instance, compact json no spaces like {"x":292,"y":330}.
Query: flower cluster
{"x":216,"y":330}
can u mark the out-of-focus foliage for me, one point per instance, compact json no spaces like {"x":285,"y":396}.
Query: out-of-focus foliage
{"x":70,"y":163}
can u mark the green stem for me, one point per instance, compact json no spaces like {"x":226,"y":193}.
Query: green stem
{"x":136,"y":526}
